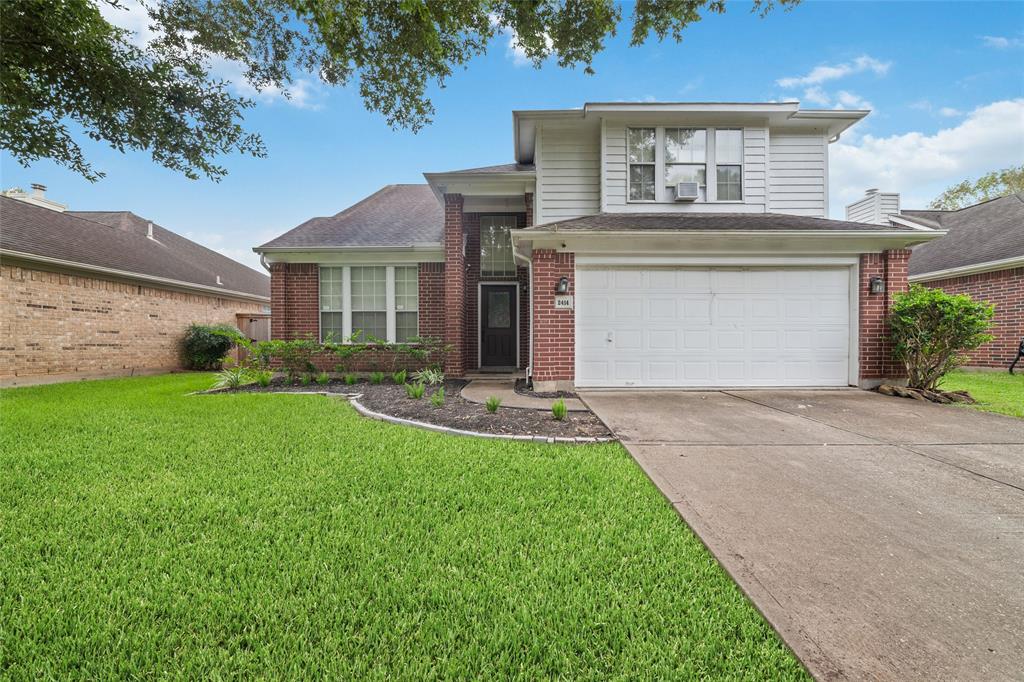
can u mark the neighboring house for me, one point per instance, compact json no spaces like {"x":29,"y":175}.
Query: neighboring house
{"x":629,"y":245}
{"x":982,"y":255}
{"x":87,"y":293}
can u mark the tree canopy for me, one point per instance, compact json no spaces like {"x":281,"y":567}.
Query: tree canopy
{"x":992,"y":185}
{"x":67,"y":73}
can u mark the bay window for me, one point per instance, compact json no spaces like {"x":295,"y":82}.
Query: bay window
{"x":729,"y":164}
{"x":685,"y":159}
{"x":640,"y":146}
{"x":375,"y":301}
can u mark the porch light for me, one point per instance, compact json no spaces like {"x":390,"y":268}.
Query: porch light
{"x":877,"y":285}
{"x":562,"y":286}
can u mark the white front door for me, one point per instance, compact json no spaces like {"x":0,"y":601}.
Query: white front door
{"x":712,"y":326}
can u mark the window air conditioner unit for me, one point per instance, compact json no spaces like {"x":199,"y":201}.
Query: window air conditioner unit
{"x":687,"y":191}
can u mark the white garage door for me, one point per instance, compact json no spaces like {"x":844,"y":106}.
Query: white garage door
{"x":712,"y":326}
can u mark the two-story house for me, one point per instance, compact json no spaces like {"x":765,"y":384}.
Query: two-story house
{"x":629,"y":245}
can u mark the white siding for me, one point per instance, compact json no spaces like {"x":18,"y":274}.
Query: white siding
{"x":798,"y":173}
{"x":755,"y":165}
{"x":568,"y":162}
{"x":874,"y":208}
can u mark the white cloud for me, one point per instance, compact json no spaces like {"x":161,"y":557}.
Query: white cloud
{"x":515,"y":50}
{"x":920,"y":166}
{"x":849,"y":100}
{"x":815,"y":95}
{"x":1001,"y":42}
{"x":824,"y":72}
{"x":950,"y":112}
{"x":133,"y":16}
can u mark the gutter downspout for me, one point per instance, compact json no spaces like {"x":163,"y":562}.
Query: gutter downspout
{"x":529,"y":344}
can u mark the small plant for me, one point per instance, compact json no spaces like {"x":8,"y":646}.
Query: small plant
{"x":305,"y":379}
{"x":323,"y":378}
{"x":400,"y":376}
{"x":559,"y":410}
{"x":377,"y":378}
{"x":492,"y":404}
{"x":430,"y":375}
{"x":263,"y":377}
{"x":233,"y":377}
{"x":437,"y":400}
{"x":415,"y":391}
{"x":351,"y":379}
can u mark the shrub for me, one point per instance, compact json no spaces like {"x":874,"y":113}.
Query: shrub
{"x":430,"y":375}
{"x":377,"y":378}
{"x":437,"y":400}
{"x":305,"y":379}
{"x":415,"y":391}
{"x":323,"y":378}
{"x":263,"y":377}
{"x":233,"y":377}
{"x":931,"y":331}
{"x":351,"y":379}
{"x":492,"y":404}
{"x":205,"y":345}
{"x":400,"y":376}
{"x":559,"y":410}
{"x":346,"y":352}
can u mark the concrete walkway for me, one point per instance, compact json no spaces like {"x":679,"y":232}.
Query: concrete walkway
{"x":882,"y":537}
{"x":479,"y":390}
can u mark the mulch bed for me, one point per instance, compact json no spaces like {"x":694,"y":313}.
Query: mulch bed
{"x":456,"y":413}
{"x":521,"y":389}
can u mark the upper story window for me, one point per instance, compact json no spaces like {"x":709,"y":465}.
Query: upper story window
{"x":679,"y":155}
{"x":685,"y":159}
{"x":641,"y":143}
{"x":729,"y":164}
{"x":496,"y":246}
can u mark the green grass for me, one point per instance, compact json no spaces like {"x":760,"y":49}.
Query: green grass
{"x":995,"y":391}
{"x":146,"y":533}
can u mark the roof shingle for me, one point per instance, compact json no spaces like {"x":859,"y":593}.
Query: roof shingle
{"x":712,"y":222}
{"x":117,"y":240}
{"x":989,"y":231}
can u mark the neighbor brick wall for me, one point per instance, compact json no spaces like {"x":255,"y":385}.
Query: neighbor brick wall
{"x":1004,"y":289}
{"x":876,"y":361}
{"x":554,"y":334}
{"x":57,"y":322}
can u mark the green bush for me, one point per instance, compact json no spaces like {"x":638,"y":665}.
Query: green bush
{"x":233,"y":377}
{"x":305,"y":379}
{"x":205,"y":345}
{"x":559,"y":410}
{"x":430,"y":375}
{"x":437,"y":400}
{"x":415,"y":391}
{"x":400,"y":376}
{"x":931,"y":331}
{"x":351,"y":379}
{"x":492,"y":404}
{"x":323,"y":378}
{"x":377,"y":378}
{"x":263,"y":377}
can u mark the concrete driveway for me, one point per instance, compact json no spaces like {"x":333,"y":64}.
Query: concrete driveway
{"x":882,"y":537}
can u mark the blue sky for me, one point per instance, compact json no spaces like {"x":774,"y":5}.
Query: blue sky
{"x":945,"y":82}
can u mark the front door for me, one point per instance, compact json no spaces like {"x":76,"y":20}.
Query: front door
{"x":498,"y":325}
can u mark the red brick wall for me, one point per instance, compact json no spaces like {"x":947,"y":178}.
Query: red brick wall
{"x":454,"y":285}
{"x":876,"y":361}
{"x":431,"y":318}
{"x":294,"y":300}
{"x":1004,"y":289}
{"x":554,"y":336}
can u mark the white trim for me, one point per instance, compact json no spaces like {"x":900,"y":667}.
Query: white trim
{"x":900,"y":220}
{"x":361,"y":256}
{"x":126,"y":274}
{"x":480,"y":321}
{"x":346,"y":305}
{"x":712,"y":261}
{"x":390,"y":325}
{"x":964,"y":270}
{"x":854,"y":345}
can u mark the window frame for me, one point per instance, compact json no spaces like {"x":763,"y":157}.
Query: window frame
{"x":661,"y":192}
{"x":513,"y":224}
{"x":653,"y":163}
{"x":390,"y":302}
{"x":730,"y":164}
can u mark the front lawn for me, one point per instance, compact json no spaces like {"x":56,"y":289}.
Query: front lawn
{"x":1000,"y":392}
{"x":146,"y":533}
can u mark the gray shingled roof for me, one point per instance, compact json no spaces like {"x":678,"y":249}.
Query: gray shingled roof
{"x":396,"y":215}
{"x":500,"y":168}
{"x":989,"y":231}
{"x":117,"y":240}
{"x":708,"y":221}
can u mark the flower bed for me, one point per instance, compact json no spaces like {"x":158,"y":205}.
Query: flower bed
{"x":457,"y":413}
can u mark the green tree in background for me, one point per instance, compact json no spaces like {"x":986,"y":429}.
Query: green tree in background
{"x":66,"y":73}
{"x":989,"y":186}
